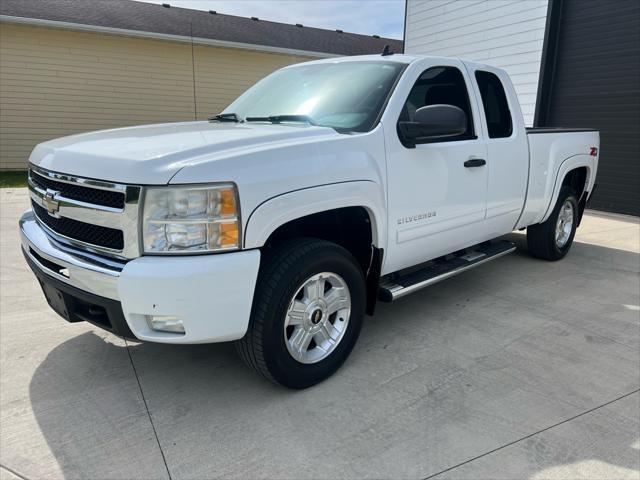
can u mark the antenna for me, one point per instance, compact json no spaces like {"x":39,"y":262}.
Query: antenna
{"x":193,"y":72}
{"x":387,"y":51}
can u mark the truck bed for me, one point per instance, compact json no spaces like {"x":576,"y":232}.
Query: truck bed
{"x":533,"y":130}
{"x":552,"y":153}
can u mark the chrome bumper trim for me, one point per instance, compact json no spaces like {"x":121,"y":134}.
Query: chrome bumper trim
{"x":85,"y":271}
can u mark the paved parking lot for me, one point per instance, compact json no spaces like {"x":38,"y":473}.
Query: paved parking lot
{"x":517,"y":369}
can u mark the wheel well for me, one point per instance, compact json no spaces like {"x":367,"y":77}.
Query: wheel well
{"x":576,"y":179}
{"x":349,"y":227}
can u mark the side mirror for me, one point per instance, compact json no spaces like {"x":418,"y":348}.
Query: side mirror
{"x":433,"y":123}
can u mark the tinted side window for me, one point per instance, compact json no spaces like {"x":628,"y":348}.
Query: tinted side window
{"x":437,"y":86}
{"x":496,"y":107}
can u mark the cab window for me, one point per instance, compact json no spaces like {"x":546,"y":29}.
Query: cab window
{"x":440,"y":86}
{"x":496,"y":107}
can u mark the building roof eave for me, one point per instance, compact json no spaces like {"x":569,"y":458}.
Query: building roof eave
{"x":161,"y":36}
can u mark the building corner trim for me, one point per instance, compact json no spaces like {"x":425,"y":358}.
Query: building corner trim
{"x":548,"y":63}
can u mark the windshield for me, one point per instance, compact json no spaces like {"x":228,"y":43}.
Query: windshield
{"x":347,"y":96}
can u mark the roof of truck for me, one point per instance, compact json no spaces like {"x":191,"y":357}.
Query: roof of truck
{"x":396,"y":57}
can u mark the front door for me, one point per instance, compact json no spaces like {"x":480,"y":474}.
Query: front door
{"x":436,"y":196}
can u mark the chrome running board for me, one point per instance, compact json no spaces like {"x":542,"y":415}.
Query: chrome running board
{"x":399,"y":284}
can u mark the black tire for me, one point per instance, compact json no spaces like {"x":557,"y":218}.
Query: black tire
{"x":284,"y":269}
{"x":541,"y":238}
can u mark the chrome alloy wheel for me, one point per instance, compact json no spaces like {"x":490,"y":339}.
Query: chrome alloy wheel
{"x":564,"y":225}
{"x":317,"y":317}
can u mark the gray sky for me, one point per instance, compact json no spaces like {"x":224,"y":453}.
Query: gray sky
{"x":381,"y":17}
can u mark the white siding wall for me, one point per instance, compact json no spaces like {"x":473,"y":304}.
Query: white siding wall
{"x":504,"y":33}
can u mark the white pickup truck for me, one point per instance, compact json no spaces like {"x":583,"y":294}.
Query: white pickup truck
{"x":280,"y":222}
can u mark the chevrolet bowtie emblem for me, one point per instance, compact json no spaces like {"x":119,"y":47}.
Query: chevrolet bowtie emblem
{"x":50,"y":203}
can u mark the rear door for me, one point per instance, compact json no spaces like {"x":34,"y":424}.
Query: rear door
{"x":507,"y":148}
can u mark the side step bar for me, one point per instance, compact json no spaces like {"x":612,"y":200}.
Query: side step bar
{"x":400,"y":284}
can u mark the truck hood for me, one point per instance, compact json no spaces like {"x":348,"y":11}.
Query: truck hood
{"x":153,"y":154}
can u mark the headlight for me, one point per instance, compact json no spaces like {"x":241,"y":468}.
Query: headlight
{"x":190,"y":219}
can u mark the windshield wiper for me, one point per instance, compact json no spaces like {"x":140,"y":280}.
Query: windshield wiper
{"x":282,"y":118}
{"x":225,"y":117}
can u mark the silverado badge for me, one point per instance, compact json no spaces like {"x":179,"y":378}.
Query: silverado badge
{"x":416,"y":218}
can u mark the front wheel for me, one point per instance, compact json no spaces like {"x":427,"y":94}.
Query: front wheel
{"x":552,"y":239}
{"x":307,"y":313}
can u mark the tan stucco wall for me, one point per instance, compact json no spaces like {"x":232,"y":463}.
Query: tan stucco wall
{"x":56,"y":82}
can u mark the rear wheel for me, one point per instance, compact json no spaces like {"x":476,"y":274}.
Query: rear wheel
{"x":307,"y":313}
{"x":552,"y":239}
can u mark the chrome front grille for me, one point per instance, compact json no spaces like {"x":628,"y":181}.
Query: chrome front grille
{"x":96,"y":196}
{"x":91,"y":215}
{"x":95,"y":235}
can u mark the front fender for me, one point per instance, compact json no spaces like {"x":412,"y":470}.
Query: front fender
{"x":277,"y":211}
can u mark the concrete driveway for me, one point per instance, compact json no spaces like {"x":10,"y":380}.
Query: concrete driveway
{"x":517,"y":369}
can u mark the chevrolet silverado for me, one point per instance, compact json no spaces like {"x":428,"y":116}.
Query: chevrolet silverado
{"x":281,"y":221}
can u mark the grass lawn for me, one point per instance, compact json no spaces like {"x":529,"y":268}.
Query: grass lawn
{"x":13,"y":179}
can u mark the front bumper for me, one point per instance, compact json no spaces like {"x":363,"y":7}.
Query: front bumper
{"x":211,"y":294}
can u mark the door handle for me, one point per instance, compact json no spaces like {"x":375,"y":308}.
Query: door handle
{"x":475,"y":162}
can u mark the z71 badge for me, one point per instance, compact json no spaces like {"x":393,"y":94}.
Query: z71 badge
{"x":416,"y":218}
